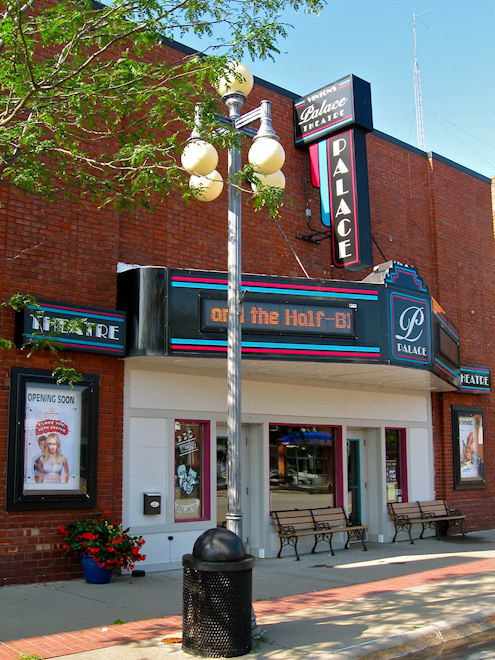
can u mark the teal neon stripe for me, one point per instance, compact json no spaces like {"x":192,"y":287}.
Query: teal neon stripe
{"x":295,"y":292}
{"x":444,"y":366}
{"x":80,"y":313}
{"x":62,"y":340}
{"x":278,"y":345}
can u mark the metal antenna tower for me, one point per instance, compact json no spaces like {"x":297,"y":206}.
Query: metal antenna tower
{"x":418,"y":99}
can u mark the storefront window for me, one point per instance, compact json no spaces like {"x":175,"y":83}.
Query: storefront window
{"x":395,"y":440}
{"x":191,"y":470}
{"x":302,"y":466}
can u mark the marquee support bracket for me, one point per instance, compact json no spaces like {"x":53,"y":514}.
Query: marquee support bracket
{"x":315,"y":237}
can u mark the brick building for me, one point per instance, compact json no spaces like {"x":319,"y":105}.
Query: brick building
{"x":349,"y":423}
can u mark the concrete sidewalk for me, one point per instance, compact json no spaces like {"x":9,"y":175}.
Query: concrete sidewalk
{"x":391,"y":601}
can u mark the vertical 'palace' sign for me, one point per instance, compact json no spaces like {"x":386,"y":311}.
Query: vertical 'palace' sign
{"x":339,"y":168}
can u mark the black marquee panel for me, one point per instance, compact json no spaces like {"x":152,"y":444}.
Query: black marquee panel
{"x":388,"y":318}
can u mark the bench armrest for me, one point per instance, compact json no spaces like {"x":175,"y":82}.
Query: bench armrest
{"x":401,"y":518}
{"x":453,"y":512}
{"x":322,"y":525}
{"x":287,"y":529}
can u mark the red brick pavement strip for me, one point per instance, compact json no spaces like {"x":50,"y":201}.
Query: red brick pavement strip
{"x":76,"y":641}
{"x":51,"y":646}
{"x":354,"y":591}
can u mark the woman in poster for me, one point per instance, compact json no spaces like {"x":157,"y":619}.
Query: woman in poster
{"x":52,"y":463}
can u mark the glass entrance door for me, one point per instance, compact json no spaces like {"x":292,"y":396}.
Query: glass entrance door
{"x":353,"y":480}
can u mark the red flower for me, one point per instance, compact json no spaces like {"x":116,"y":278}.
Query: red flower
{"x":104,"y":539}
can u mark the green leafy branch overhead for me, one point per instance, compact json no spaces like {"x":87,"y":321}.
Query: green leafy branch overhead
{"x":91,"y":103}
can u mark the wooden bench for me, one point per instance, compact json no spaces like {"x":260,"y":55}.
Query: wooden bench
{"x":427,"y":514}
{"x":335,"y":521}
{"x":321,"y":523}
{"x":437,"y":512}
{"x":405,"y":515}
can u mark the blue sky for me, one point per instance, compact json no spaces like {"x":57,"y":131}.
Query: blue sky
{"x":374,"y":40}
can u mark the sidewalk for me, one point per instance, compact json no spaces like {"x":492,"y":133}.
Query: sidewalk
{"x":391,"y":601}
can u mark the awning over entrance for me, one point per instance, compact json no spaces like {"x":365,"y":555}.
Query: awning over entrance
{"x":384,"y":331}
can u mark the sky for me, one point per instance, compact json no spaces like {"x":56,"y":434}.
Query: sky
{"x":455,"y":48}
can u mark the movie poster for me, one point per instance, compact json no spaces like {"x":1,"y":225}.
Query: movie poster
{"x":471,"y":447}
{"x":52,"y":439}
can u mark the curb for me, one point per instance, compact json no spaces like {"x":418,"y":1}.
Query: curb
{"x":432,"y":636}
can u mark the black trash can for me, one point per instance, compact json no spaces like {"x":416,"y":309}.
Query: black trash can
{"x":217,"y":593}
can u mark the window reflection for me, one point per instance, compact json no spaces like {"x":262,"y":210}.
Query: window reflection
{"x":393,"y":445}
{"x":302,"y":466}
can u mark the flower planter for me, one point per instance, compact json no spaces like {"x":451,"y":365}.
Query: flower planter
{"x":93,"y":573}
{"x":101,"y":539}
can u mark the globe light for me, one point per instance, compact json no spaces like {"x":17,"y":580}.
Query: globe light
{"x":199,"y":157}
{"x":275,"y":180}
{"x":266,"y":155}
{"x":206,"y":188}
{"x":229,"y":83}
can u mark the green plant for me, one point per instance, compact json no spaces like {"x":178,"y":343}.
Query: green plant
{"x":103,"y":539}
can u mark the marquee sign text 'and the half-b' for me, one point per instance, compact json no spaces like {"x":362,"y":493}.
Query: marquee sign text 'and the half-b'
{"x":281,"y":318}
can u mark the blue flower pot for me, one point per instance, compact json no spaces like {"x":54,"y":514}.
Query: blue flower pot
{"x":93,"y":573}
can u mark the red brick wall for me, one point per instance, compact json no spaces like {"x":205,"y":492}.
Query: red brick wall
{"x":424,"y":212}
{"x":67,"y":253}
{"x":439,"y":218}
{"x":466,"y":286}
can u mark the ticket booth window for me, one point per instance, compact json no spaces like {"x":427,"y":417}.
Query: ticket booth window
{"x":396,"y":465}
{"x":302,"y":466}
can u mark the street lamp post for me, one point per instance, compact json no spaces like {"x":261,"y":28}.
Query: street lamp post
{"x":267,"y":157}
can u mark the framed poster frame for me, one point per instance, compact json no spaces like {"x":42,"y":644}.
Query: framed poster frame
{"x":53,"y":442}
{"x":468,"y":447}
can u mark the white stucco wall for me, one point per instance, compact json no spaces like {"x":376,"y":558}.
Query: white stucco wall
{"x":154,"y":398}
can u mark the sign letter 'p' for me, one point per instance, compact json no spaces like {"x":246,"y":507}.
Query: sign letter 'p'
{"x":338,"y":146}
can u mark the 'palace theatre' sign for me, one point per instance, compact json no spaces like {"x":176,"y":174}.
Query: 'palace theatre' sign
{"x":332,"y":122}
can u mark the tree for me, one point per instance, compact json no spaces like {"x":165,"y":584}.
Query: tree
{"x":90,"y":104}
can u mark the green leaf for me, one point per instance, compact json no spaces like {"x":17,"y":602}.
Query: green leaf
{"x":135,"y":108}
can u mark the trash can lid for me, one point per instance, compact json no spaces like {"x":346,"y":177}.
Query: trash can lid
{"x":218,"y":544}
